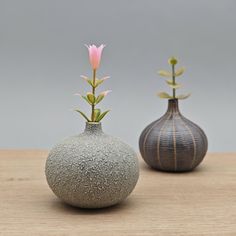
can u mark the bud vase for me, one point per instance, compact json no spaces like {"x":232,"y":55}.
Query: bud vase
{"x":173,"y":143}
{"x":93,"y":169}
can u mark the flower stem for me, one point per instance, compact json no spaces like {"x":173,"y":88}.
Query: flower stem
{"x":93,"y":91}
{"x":173,"y":79}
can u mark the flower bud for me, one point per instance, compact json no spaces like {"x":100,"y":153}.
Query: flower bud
{"x":172,"y":61}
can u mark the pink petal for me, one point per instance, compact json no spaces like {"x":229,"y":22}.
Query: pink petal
{"x":78,"y":94}
{"x":106,"y":77}
{"x":106,"y":92}
{"x":95,"y":54}
{"x":84,"y":77}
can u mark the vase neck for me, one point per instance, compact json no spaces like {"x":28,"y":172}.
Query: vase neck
{"x":93,"y":128}
{"x":173,"y":106}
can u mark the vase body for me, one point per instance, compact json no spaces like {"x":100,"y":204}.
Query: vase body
{"x":93,"y":169}
{"x":173,"y":143}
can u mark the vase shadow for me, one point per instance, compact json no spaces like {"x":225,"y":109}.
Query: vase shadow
{"x":66,"y":208}
{"x":199,"y":169}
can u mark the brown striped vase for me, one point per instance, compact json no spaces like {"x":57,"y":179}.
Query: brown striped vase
{"x":173,"y":143}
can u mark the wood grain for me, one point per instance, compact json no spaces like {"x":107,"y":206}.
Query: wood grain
{"x":202,"y":202}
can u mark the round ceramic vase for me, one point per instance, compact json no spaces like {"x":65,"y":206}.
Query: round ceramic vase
{"x":173,"y":143}
{"x":93,"y":169}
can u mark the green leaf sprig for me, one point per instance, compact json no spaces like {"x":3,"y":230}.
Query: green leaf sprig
{"x":91,"y":98}
{"x":172,"y":83}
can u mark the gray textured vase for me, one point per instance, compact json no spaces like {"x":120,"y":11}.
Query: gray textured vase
{"x":93,"y":169}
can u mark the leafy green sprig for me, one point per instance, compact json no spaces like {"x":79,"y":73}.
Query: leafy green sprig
{"x":93,"y":100}
{"x":172,"y":83}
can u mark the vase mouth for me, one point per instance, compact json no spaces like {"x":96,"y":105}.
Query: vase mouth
{"x":93,"y":123}
{"x":173,"y":105}
{"x":173,"y":99}
{"x":93,"y":127}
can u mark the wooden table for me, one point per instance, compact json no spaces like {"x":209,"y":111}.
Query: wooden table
{"x":202,"y":202}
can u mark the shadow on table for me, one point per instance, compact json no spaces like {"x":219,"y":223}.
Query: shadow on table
{"x":65,"y":208}
{"x":198,"y":170}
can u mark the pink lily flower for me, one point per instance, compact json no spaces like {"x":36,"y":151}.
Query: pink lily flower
{"x":95,"y":54}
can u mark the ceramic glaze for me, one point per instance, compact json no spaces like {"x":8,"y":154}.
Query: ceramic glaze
{"x":93,"y":169}
{"x":173,"y":143}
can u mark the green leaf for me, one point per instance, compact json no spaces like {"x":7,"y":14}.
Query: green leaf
{"x":90,"y":82}
{"x":102,"y":115}
{"x":87,"y":79}
{"x":180,"y":71}
{"x":164,"y":73}
{"x":183,"y":96}
{"x":173,"y":85}
{"x":176,"y":86}
{"x":86,"y":99}
{"x":99,"y":98}
{"x":97,"y":113}
{"x":82,"y":114}
{"x":98,"y":82}
{"x":164,"y":95}
{"x":91,"y":98}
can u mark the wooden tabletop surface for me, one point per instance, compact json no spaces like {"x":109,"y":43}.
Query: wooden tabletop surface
{"x":202,"y":202}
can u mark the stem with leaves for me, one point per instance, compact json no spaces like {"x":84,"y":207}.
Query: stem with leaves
{"x":93,"y":92}
{"x":172,"y":83}
{"x":95,"y":54}
{"x":173,"y":79}
{"x":93,"y":100}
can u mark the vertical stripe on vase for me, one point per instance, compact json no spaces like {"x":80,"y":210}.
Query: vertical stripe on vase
{"x":174,"y":143}
{"x":159,"y":139}
{"x":203,"y":135}
{"x":193,"y":139}
{"x":148,"y":132}
{"x":145,"y":139}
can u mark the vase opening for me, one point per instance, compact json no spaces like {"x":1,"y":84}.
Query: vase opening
{"x":173,"y":106}
{"x":93,"y":127}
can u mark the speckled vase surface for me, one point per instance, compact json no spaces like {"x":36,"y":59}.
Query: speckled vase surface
{"x":173,"y":143}
{"x":93,"y":169}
